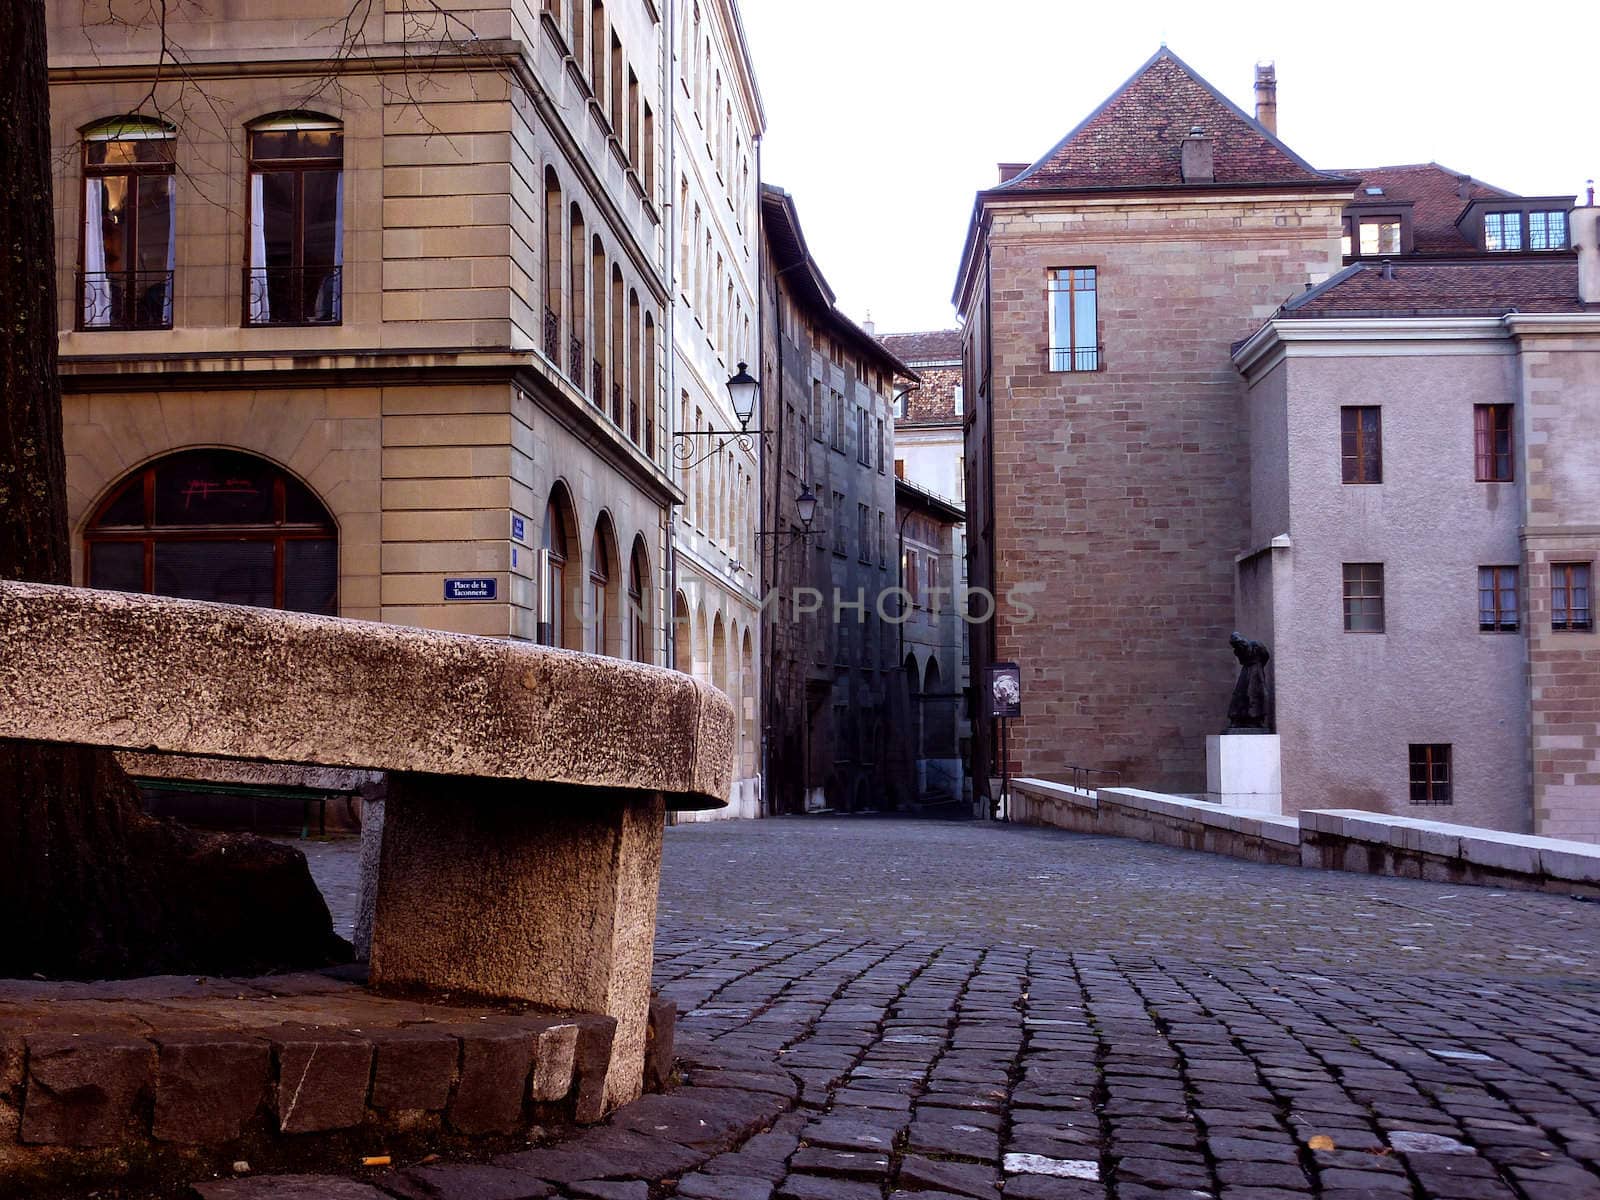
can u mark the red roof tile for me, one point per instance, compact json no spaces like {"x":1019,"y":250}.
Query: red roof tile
{"x":936,"y":345}
{"x":1135,"y":139}
{"x":1420,"y":288}
{"x":1437,"y":200}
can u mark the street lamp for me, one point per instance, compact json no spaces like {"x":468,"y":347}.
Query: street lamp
{"x":806,"y":506}
{"x":743,"y":389}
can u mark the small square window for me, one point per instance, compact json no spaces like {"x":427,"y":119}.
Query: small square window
{"x":1363,"y":597}
{"x":1502,"y":231}
{"x":1492,"y":443}
{"x":1361,"y":444}
{"x":1571,"y":597}
{"x":1497,"y":599}
{"x":1430,"y":773}
{"x":1547,"y":230}
{"x":1380,"y":235}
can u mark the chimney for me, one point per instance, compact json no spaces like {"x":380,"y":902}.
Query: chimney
{"x":869,"y":327}
{"x":1464,"y":187}
{"x":1267,"y":96}
{"x":1584,"y":227}
{"x":1009,"y":171}
{"x":1199,"y":160}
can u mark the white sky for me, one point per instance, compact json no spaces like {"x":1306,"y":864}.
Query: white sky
{"x":885,"y":116}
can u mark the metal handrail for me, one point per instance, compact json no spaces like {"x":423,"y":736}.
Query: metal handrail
{"x":125,"y":299}
{"x":293,"y":295}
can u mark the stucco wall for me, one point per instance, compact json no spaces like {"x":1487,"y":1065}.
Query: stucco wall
{"x":1349,"y":704}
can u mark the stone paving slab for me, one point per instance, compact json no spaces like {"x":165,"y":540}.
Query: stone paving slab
{"x":913,"y":1011}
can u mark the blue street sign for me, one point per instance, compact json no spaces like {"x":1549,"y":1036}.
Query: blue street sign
{"x":470,"y":589}
{"x":519,"y":529}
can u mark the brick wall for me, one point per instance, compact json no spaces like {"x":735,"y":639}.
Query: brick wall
{"x":1121,"y":495}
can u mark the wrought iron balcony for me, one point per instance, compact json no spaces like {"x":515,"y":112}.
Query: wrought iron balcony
{"x":1074,"y":358}
{"x":293,"y":295}
{"x":552,"y":335}
{"x":125,"y":299}
{"x":575,"y":361}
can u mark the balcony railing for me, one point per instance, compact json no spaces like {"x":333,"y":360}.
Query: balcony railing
{"x":1074,"y":358}
{"x":125,"y":299}
{"x":633,"y":424}
{"x":616,"y":403}
{"x":552,"y":335}
{"x":575,"y":361}
{"x":598,"y":395}
{"x":293,"y":295}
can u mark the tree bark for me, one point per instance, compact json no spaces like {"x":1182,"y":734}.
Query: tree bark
{"x":90,"y":885}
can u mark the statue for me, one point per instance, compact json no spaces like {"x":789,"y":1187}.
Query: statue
{"x":1250,"y":710}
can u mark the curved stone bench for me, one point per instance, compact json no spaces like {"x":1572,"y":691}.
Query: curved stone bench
{"x":527,"y":787}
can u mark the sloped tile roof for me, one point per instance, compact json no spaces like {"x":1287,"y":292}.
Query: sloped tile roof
{"x":1135,"y":139}
{"x":1421,"y":288}
{"x":1436,"y":199}
{"x":936,"y":345}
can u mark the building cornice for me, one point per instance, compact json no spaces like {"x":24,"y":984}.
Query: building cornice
{"x":1370,"y":337}
{"x":1553,"y":324}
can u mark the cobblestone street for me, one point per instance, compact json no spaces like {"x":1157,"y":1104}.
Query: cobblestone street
{"x":880,"y":1008}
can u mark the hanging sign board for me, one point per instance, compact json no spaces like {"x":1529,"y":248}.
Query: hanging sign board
{"x":1005,"y":689}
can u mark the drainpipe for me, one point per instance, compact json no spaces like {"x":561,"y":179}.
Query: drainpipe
{"x":670,"y":206}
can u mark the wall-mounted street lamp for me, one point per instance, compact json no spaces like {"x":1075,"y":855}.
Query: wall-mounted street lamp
{"x":743,"y":389}
{"x":805,"y":505}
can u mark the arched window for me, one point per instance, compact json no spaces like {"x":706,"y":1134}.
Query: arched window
{"x":577,"y":364}
{"x":552,"y":266}
{"x":296,"y":251}
{"x":598,"y":612}
{"x":129,"y":244}
{"x":635,"y":358}
{"x":553,"y":624}
{"x":619,"y":344}
{"x":597,"y":301}
{"x":638,"y":615}
{"x":682,"y":633}
{"x":652,"y":385}
{"x":216,"y":525}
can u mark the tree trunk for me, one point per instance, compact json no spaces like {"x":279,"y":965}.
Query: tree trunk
{"x":89,"y":884}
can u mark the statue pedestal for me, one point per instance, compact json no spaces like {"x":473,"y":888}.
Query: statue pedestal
{"x":1243,"y":771}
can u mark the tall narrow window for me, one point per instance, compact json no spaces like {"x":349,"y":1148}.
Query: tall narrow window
{"x":577,"y":362}
{"x":638,"y":622}
{"x":882,"y":466}
{"x":129,"y":226}
{"x":552,"y":626}
{"x":1430,"y":773}
{"x":1491,"y":427}
{"x":296,"y":251}
{"x":1363,"y":597}
{"x":1074,"y":328}
{"x":1497,"y":599}
{"x":1571,"y":606}
{"x":596,"y":639}
{"x":1361,"y":444}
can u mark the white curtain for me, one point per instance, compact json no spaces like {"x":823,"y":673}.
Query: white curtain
{"x":260,"y":304}
{"x":96,"y":287}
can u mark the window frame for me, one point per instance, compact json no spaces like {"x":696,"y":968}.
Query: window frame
{"x":1493,"y":586}
{"x":1365,"y":573}
{"x":1486,"y":428}
{"x":299,"y":168}
{"x":1074,"y":347}
{"x":104,"y":133}
{"x":1434,"y":759}
{"x":1511,"y":221}
{"x":1353,"y":466}
{"x":1575,"y":577}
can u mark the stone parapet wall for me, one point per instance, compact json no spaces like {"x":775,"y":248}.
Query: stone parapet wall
{"x":1330,"y":839}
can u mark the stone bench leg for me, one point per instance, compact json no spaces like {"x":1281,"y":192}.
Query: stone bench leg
{"x":543,"y":893}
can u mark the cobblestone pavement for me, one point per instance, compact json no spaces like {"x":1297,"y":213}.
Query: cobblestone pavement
{"x":878,"y":1008}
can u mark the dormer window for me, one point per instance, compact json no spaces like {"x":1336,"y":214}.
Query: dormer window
{"x":1547,"y":230}
{"x":1380,"y":235}
{"x":1502,"y":231}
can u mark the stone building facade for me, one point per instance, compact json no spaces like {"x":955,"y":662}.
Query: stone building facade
{"x":932,"y":642}
{"x":717,"y":123}
{"x":834,"y":685}
{"x":420,"y":292}
{"x":1099,"y":290}
{"x":1399,"y":501}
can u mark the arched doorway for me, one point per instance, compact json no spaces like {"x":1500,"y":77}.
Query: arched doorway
{"x":560,"y":618}
{"x":682,"y":635}
{"x":217,"y":525}
{"x":600,"y":606}
{"x":636,"y":621}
